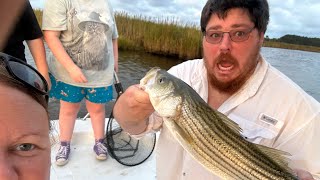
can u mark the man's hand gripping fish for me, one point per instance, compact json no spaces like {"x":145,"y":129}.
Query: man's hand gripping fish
{"x":209,"y":136}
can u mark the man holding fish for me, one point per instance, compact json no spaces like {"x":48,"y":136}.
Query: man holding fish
{"x":265,"y":106}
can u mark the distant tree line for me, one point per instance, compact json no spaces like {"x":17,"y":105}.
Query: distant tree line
{"x":299,"y":40}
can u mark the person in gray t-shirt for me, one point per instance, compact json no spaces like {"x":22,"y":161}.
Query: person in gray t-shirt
{"x":82,"y":36}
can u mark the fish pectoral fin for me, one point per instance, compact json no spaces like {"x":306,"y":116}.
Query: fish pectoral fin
{"x":280,"y":157}
{"x":178,"y":110}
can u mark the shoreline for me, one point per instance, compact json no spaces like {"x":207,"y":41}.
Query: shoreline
{"x":282,"y":45}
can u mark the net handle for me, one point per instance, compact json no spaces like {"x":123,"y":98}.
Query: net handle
{"x":117,"y":84}
{"x":119,"y":89}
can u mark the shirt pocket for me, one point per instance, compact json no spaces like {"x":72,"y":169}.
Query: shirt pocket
{"x":255,"y":130}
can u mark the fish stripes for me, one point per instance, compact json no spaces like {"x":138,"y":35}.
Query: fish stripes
{"x":204,"y":134}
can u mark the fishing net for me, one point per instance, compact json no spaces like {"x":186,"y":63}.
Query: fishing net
{"x":121,"y":146}
{"x":125,"y":149}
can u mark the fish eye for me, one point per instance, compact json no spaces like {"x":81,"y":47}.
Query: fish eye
{"x":161,"y":80}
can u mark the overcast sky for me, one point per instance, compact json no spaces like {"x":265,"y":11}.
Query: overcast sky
{"x":299,"y":17}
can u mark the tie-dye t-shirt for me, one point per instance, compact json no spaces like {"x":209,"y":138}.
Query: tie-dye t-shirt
{"x":87,"y":29}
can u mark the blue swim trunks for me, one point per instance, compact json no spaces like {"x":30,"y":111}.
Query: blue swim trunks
{"x":74,"y":94}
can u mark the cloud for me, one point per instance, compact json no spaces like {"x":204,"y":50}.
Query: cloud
{"x":294,"y":17}
{"x":286,"y":17}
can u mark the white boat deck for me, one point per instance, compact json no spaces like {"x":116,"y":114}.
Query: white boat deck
{"x":83,"y":164}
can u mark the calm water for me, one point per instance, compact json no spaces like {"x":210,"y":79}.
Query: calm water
{"x":302,"y":67}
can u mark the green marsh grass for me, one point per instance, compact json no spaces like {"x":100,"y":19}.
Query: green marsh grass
{"x":38,"y":13}
{"x":158,"y":36}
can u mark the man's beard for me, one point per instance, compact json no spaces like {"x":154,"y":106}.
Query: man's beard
{"x":234,"y":85}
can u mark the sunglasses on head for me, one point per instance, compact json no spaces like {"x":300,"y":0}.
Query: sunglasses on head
{"x":25,"y":74}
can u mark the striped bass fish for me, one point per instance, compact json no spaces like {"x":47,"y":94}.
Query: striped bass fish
{"x":209,"y":136}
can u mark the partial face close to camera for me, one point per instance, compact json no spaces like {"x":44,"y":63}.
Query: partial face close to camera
{"x":24,"y":137}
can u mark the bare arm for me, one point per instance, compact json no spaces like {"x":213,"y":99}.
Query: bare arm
{"x":132,"y":110}
{"x":54,"y":43}
{"x":115,"y":54}
{"x":38,"y":52}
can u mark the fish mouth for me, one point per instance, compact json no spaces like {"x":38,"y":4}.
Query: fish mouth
{"x":149,"y":78}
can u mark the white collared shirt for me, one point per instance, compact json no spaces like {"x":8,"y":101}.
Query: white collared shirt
{"x":270,"y":108}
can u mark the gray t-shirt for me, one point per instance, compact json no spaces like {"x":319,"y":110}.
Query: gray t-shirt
{"x":87,"y":29}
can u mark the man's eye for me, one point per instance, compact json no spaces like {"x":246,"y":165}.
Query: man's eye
{"x":215,"y":35}
{"x":25,"y":147}
{"x":239,"y":33}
